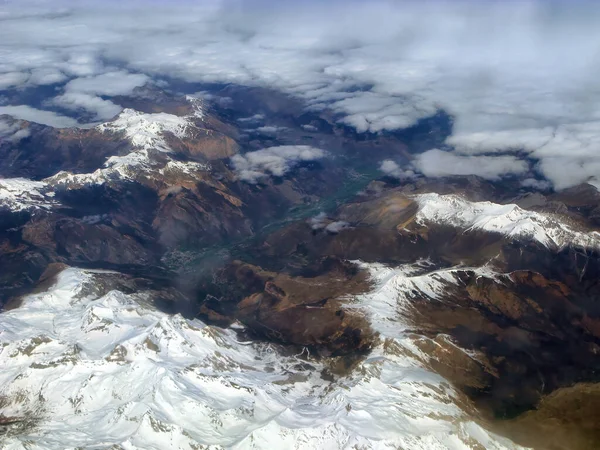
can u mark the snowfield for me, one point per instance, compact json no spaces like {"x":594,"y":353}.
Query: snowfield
{"x":95,"y":370}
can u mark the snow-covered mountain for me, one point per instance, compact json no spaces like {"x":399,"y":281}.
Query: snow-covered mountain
{"x":507,"y":219}
{"x":147,"y":134}
{"x":86,"y":366}
{"x":148,"y":161}
{"x":138,"y":165}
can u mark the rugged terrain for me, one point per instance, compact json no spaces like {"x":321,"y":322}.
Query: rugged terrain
{"x":197,"y":274}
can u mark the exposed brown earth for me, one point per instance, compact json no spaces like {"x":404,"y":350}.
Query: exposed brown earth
{"x":305,"y":311}
{"x":530,"y":331}
{"x":566,"y":419}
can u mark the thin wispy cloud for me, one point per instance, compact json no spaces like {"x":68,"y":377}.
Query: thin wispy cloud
{"x":12,"y":132}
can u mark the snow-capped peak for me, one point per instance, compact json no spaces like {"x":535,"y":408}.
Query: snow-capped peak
{"x":146,"y":131}
{"x":509,"y":220}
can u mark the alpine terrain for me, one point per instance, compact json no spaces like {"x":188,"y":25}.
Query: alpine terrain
{"x":305,"y":225}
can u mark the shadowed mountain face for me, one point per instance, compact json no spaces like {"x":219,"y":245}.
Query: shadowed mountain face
{"x":256,"y":213}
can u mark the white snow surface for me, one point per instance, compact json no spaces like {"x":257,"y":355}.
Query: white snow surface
{"x":388,"y":303}
{"x":146,"y":131}
{"x":509,"y":220}
{"x":21,"y":194}
{"x":134,"y":166}
{"x":95,"y":370}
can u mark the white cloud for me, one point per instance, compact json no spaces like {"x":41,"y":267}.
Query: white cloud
{"x":392,"y":169}
{"x":271,"y":129}
{"x":336,"y":227}
{"x":46,"y":75}
{"x":367,"y":111}
{"x":319,"y":221}
{"x":103,"y":109}
{"x":532,"y":183}
{"x":12,"y":132}
{"x":437,"y":163}
{"x":223,"y":102}
{"x":565,"y":171}
{"x":254,"y":118}
{"x":109,"y":84}
{"x":11,"y":79}
{"x":322,"y":222}
{"x":84,"y":93}
{"x":30,"y":114}
{"x":528,"y":139}
{"x":277,"y":161}
{"x":511,"y":73}
{"x":567,"y":152}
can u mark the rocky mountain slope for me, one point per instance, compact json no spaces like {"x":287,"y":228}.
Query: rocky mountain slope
{"x":199,"y":275}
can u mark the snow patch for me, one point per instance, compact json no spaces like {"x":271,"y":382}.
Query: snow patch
{"x":115,"y":168}
{"x":146,"y":130}
{"x":184,"y":167}
{"x":146,"y":133}
{"x":197,"y":105}
{"x":21,"y":194}
{"x":136,"y":166}
{"x":389,"y":302}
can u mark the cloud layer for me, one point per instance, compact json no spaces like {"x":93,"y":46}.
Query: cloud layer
{"x":86,"y":93}
{"x":276,"y":161}
{"x":24,"y":112}
{"x":515,"y":75}
{"x":436,"y":163}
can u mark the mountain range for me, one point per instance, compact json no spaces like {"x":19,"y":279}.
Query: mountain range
{"x":203,"y":274}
